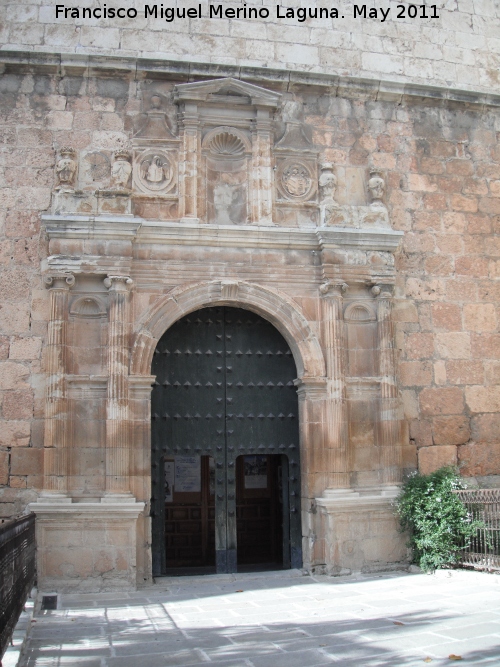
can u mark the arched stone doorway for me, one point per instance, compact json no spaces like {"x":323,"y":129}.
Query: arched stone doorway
{"x":225,"y":444}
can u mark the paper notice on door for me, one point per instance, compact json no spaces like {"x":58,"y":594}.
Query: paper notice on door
{"x":169,"y":481}
{"x":187,"y":474}
{"x":255,"y":472}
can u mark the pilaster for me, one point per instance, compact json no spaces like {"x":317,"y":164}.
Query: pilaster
{"x":117,"y":409}
{"x":336,"y":415}
{"x":262,"y":187}
{"x":56,"y":459}
{"x":389,"y":425}
{"x":188,"y":167}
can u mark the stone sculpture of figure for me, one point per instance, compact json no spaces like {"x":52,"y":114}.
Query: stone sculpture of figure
{"x":376,"y":186}
{"x":155,"y":171}
{"x":327,"y":188}
{"x":121,"y":170}
{"x":223,"y":198}
{"x":66,"y":169}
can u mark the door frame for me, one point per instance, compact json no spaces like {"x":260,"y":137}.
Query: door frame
{"x":287,"y":316}
{"x":225,"y":497}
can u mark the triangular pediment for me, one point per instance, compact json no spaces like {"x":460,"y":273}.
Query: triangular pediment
{"x":227,"y":90}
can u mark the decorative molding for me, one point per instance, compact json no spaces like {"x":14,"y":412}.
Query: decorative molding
{"x":226,"y":142}
{"x":359,"y":313}
{"x":87,"y":307}
{"x":118,"y":283}
{"x":224,"y":90}
{"x":229,"y":289}
{"x":59,"y":280}
{"x":140,"y":68}
{"x":194,"y":233}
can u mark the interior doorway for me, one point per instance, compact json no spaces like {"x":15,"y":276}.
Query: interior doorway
{"x":261,"y":513}
{"x":190,"y":514}
{"x":224,"y":423}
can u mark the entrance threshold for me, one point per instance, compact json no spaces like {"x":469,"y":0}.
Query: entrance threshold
{"x":200,"y":571}
{"x":209,"y":579}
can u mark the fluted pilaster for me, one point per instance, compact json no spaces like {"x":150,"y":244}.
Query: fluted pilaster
{"x":56,"y":409}
{"x":389,"y":423}
{"x":262,"y":200}
{"x":117,"y":421}
{"x":336,"y":417}
{"x":189,"y":166}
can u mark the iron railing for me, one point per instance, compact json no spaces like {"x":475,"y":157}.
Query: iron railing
{"x":483,"y":551}
{"x":17,"y":572}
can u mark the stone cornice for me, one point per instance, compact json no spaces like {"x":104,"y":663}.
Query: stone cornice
{"x":248,"y":236}
{"x":280,"y":80}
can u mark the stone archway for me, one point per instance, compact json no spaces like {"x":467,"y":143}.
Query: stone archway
{"x":285,"y":316}
{"x":272,"y":305}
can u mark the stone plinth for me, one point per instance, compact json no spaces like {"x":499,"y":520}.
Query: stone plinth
{"x":88,"y":546}
{"x":358,"y":531}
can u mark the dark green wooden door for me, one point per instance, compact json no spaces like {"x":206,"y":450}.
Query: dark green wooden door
{"x":224,"y":388}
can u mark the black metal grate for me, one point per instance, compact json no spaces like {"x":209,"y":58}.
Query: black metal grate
{"x":17,"y":572}
{"x":483,"y":550}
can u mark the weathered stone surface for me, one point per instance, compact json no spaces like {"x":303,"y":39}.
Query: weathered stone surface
{"x":483,"y":399}
{"x":442,"y":401}
{"x":438,"y":185}
{"x":17,"y":404}
{"x":25,"y":348}
{"x":14,"y":433}
{"x":13,"y":375}
{"x":453,"y":345}
{"x":479,"y":458}
{"x":450,"y":430}
{"x":433,"y":458}
{"x":480,"y":317}
{"x":446,"y":316}
{"x":26,"y":461}
{"x":486,"y":428}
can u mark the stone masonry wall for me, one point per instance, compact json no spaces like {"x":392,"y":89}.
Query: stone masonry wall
{"x":461,"y":48}
{"x":442,"y":168}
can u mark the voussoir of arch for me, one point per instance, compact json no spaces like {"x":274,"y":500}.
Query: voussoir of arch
{"x":273,"y":305}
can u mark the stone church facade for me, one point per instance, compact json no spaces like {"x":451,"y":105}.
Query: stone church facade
{"x":356,"y":218}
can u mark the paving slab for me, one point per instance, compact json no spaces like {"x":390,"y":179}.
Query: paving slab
{"x":276,"y":620}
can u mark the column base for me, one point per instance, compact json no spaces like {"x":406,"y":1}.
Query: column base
{"x":86,"y":546}
{"x":360,"y":531}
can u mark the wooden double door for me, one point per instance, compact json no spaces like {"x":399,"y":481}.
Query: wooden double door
{"x":225,"y":452}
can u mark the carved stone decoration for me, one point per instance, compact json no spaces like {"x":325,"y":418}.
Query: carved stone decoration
{"x":375,"y":215}
{"x":98,"y":166}
{"x":330,"y":213}
{"x":87,"y":307}
{"x":296,"y":171}
{"x":121,"y":170}
{"x":227,"y":143}
{"x":155,"y":164}
{"x":226,"y":150}
{"x":155,"y":127}
{"x":66,"y":169}
{"x":154,"y":171}
{"x":296,"y":179}
{"x":376,"y":187}
{"x":229,"y":289}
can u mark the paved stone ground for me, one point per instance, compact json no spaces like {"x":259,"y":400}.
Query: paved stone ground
{"x":277,"y":620}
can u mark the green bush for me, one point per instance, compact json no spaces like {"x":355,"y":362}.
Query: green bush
{"x":436,"y":519}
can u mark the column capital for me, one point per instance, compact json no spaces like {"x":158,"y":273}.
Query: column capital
{"x":118,"y":283}
{"x":311,"y":387}
{"x":59,"y":280}
{"x":333,"y":288}
{"x":382,"y":291}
